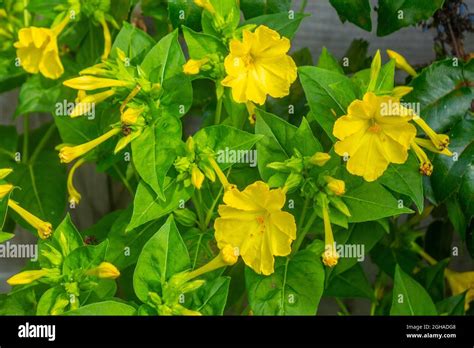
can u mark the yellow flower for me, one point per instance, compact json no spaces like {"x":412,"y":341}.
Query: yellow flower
{"x":319,"y":159}
{"x":44,"y":228}
{"x":440,"y":141}
{"x":193,"y":66}
{"x":28,"y":277}
{"x":228,"y":256}
{"x":401,"y":62}
{"x":5,"y":189}
{"x":374,"y":133}
{"x":426,"y":167}
{"x":428,"y":144}
{"x":107,"y":39}
{"x":220,"y":175}
{"x":37,"y":49}
{"x":5,"y":172}
{"x":338,"y":187}
{"x":90,"y":83}
{"x":74,"y":195}
{"x":461,"y":282}
{"x":205,"y":4}
{"x":68,"y":154}
{"x":253,"y":222}
{"x":85,"y":102}
{"x":130,"y":116}
{"x":259,"y":66}
{"x":330,"y":256}
{"x":197,"y":177}
{"x":105,"y":271}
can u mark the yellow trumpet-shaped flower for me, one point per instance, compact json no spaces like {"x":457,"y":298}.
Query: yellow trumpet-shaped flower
{"x":374,"y":133}
{"x":68,"y":154}
{"x":259,"y":66}
{"x":197,"y":177}
{"x":44,"y":229}
{"x":107,"y":39}
{"x":37,"y":49}
{"x":90,"y":83}
{"x":74,"y":195}
{"x":330,"y":256}
{"x":221,"y":176}
{"x":338,"y":187}
{"x":428,"y":144}
{"x":27,"y":277}
{"x":401,"y":62}
{"x":440,"y":141}
{"x":97,"y":69}
{"x":5,"y":189}
{"x":319,"y":159}
{"x":252,"y":221}
{"x":460,"y":282}
{"x":228,"y":256}
{"x":426,"y":167}
{"x":85,"y":103}
{"x":205,"y":4}
{"x":193,"y":66}
{"x":5,"y":172}
{"x":105,"y":271}
{"x":251,"y":110}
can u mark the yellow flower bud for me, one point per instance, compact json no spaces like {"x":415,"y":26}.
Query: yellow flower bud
{"x":428,"y":144}
{"x":205,"y":4}
{"x":440,"y":141}
{"x":401,"y":62}
{"x":27,"y":277}
{"x":107,"y":39}
{"x":130,"y":116}
{"x":5,"y":172}
{"x":105,"y":271}
{"x":193,"y":66}
{"x":426,"y":167}
{"x":43,"y":228}
{"x":319,"y":159}
{"x":338,"y":187}
{"x":74,"y":195}
{"x":89,"y":83}
{"x":85,"y":102}
{"x":5,"y":189}
{"x":197,"y":177}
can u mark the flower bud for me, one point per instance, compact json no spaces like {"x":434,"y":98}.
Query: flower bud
{"x":319,"y":159}
{"x":185,"y":217}
{"x":105,"y":271}
{"x":338,"y":187}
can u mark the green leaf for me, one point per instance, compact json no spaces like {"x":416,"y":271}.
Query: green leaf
{"x":466,"y":194}
{"x":85,"y":258}
{"x":295,"y":288}
{"x":329,"y":62}
{"x":329,"y":94}
{"x":449,"y":171}
{"x":106,"y":308}
{"x":11,"y":76}
{"x":405,"y":179}
{"x":444,"y":91}
{"x":22,"y":302}
{"x":396,"y":14}
{"x":211,"y":298}
{"x":4,"y":236}
{"x":222,"y":137}
{"x":453,"y":305}
{"x":199,"y":245}
{"x":255,"y":8}
{"x":147,"y":206}
{"x":192,"y":17}
{"x":49,"y":298}
{"x":409,"y":297}
{"x":280,"y":139}
{"x":354,"y":11}
{"x":155,"y":150}
{"x":135,"y":43}
{"x":201,"y":45}
{"x":350,"y":284}
{"x":285,"y":24}
{"x":432,"y":279}
{"x":164,"y":255}
{"x":370,"y":201}
{"x":164,"y":65}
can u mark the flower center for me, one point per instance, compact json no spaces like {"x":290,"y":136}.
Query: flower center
{"x":248,"y":60}
{"x":261,"y":222}
{"x":375,"y":128}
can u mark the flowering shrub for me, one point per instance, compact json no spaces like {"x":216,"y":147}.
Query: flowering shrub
{"x":293,"y":174}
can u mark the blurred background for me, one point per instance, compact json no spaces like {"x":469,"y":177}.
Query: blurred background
{"x":322,"y":29}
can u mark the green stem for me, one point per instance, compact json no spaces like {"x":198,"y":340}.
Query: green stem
{"x":26,"y":138}
{"x":124,"y":180}
{"x":213,"y":206}
{"x":197,"y":201}
{"x":26,"y":14}
{"x":415,"y":247}
{"x":217,"y":119}
{"x":303,"y":213}
{"x":300,"y":239}
{"x":44,"y":140}
{"x":304,"y":3}
{"x":342,"y":306}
